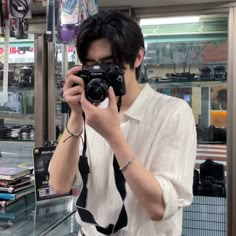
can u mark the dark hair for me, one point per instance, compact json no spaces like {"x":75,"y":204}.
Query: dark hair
{"x":122,"y":32}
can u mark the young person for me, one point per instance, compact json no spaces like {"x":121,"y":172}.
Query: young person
{"x":151,"y":140}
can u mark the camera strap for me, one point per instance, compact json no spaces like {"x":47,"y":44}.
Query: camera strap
{"x":85,"y":214}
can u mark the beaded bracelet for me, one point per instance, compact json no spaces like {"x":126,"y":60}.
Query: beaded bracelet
{"x":126,"y":165}
{"x":72,"y":135}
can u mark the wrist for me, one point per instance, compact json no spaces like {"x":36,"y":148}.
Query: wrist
{"x":75,"y":122}
{"x":72,"y":135}
{"x":116,"y":139}
{"x":123,"y":152}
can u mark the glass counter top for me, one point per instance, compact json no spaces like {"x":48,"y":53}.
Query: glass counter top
{"x":69,"y":227}
{"x":26,"y":218}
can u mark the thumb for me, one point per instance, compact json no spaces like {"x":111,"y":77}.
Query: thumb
{"x":112,"y":98}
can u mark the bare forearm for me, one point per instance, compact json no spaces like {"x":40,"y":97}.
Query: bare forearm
{"x":64,"y":163}
{"x":142,"y":182}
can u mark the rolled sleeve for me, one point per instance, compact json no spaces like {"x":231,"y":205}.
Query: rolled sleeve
{"x":175,"y":158}
{"x":169,"y":196}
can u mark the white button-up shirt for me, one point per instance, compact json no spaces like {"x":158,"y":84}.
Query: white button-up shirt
{"x":161,"y":131}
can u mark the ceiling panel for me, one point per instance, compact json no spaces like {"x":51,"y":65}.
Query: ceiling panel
{"x":151,"y":3}
{"x":38,"y":9}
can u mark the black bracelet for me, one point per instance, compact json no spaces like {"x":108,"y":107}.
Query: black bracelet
{"x":73,"y":135}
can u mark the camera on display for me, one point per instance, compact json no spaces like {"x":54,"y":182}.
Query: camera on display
{"x":98,"y":78}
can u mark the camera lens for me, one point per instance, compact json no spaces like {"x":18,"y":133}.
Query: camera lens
{"x":96,"y":90}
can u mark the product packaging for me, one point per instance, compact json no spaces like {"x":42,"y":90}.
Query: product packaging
{"x":70,"y":15}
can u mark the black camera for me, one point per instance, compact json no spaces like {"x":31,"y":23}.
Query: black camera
{"x":98,"y":78}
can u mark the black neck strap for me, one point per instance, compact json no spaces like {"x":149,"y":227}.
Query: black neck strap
{"x":85,"y":214}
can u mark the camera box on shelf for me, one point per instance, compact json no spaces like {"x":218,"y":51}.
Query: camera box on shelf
{"x":43,"y":191}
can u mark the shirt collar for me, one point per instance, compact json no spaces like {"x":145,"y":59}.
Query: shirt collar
{"x":136,"y":110}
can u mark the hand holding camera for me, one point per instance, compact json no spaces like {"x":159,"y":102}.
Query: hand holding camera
{"x":72,"y":94}
{"x":98,"y":78}
{"x":89,"y":86}
{"x":105,"y":121}
{"x":101,"y":81}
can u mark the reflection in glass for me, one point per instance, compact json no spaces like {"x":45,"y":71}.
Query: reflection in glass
{"x":189,"y":61}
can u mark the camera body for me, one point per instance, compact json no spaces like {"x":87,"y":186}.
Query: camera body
{"x":98,"y":78}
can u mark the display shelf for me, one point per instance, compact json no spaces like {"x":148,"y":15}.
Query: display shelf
{"x":20,"y":88}
{"x":185,"y":84}
{"x":15,"y":140}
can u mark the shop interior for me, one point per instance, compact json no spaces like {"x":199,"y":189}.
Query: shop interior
{"x":187,"y":55}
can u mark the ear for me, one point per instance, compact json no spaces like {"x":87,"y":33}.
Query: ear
{"x":139,"y":58}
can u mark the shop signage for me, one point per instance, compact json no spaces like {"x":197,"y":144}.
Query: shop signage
{"x":25,"y":53}
{"x":18,"y":54}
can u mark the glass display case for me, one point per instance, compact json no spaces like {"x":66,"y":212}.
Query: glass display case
{"x":187,"y":57}
{"x":25,"y":217}
{"x":17,"y":89}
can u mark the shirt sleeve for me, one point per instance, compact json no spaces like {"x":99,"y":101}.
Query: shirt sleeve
{"x":174,"y":156}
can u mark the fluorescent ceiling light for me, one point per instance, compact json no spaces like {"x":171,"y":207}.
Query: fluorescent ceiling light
{"x":169,"y":20}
